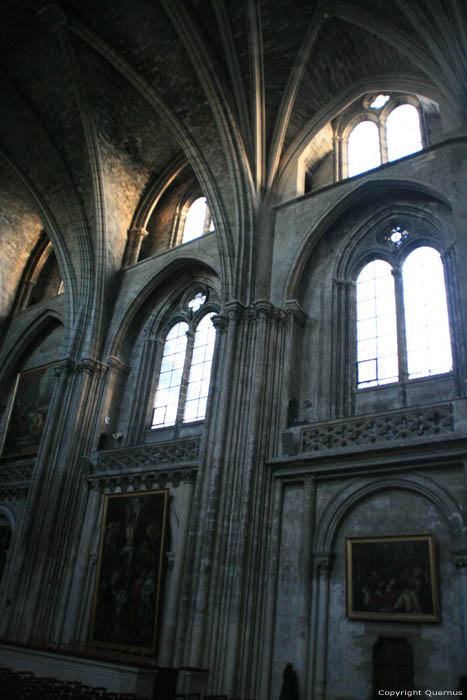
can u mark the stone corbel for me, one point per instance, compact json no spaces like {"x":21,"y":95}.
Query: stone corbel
{"x":293,"y":310}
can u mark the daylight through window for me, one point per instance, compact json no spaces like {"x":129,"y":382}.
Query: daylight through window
{"x":418,"y":305}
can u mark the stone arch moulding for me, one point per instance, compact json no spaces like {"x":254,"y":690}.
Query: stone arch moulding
{"x":67,"y":265}
{"x":436,"y":234}
{"x":392,"y":189}
{"x":15,"y":354}
{"x":9,"y":515}
{"x":350,"y":497}
{"x":181,"y":134}
{"x":146,"y":207}
{"x":155,"y":191}
{"x":122,"y":325}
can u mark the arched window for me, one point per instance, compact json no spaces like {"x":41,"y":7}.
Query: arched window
{"x":198,"y":220}
{"x":170,"y":377}
{"x":389,"y":128}
{"x":363,"y":148}
{"x":185,"y":371}
{"x":402,"y":329}
{"x":377,"y":358}
{"x":426,"y":315}
{"x":200,"y":370}
{"x":403,"y":135}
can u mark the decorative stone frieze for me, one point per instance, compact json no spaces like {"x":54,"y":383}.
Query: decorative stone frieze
{"x":15,"y":478}
{"x":16,"y":472}
{"x":261,"y":308}
{"x":384,"y":427}
{"x":146,"y":466}
{"x":14,"y":492}
{"x":143,"y":481}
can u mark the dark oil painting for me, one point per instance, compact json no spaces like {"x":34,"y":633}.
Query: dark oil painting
{"x":130,"y":571}
{"x":28,"y":411}
{"x":392,"y":578}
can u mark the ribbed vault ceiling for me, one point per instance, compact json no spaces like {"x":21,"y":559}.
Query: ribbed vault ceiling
{"x":99,"y":98}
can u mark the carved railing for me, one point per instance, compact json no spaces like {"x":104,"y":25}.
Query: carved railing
{"x":175,"y":452}
{"x":147,"y":465}
{"x":393,"y":426}
{"x":15,"y":478}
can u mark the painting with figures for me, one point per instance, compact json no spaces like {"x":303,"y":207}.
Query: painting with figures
{"x":28,"y":411}
{"x":130,"y":570}
{"x":392,"y":578}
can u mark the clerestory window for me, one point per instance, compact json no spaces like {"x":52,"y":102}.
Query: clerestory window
{"x":383,"y":131}
{"x":402,"y":325}
{"x":198,"y":220}
{"x":185,"y":370}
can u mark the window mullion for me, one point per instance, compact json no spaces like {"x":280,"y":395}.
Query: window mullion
{"x":383,"y":142}
{"x":185,"y":376}
{"x":400,"y":320}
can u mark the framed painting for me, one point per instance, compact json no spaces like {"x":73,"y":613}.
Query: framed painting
{"x":5,"y":536}
{"x":392,"y":578}
{"x":28,"y":411}
{"x":130,"y":571}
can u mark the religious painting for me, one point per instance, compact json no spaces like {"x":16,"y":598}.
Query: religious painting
{"x":130,"y":571}
{"x":392,"y":578}
{"x":28,"y":411}
{"x":5,"y":536}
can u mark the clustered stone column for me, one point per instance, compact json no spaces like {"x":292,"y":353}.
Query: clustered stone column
{"x":223,"y":606}
{"x":41,"y":576}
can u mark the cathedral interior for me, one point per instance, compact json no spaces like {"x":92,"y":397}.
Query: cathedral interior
{"x":233,"y":362}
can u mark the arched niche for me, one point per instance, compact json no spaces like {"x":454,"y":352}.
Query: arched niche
{"x":28,"y":384}
{"x":398,"y":506}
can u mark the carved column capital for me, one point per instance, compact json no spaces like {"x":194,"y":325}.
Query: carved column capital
{"x":324,"y":562}
{"x":342,"y":284}
{"x":116,"y":364}
{"x":220,"y":322}
{"x":294,"y":310}
{"x":264,"y":309}
{"x":460,"y":559}
{"x":235,"y":309}
{"x":91,"y":366}
{"x":65,"y":366}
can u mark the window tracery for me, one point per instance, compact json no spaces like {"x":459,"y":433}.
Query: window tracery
{"x":185,"y":370}
{"x":385,"y":129}
{"x":400,"y":266}
{"x":402,"y":325}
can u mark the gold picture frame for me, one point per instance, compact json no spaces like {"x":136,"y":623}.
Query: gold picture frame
{"x":392,"y":578}
{"x":130,"y":571}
